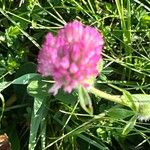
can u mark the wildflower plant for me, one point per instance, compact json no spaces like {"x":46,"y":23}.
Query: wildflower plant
{"x":100,"y":62}
{"x":71,"y":57}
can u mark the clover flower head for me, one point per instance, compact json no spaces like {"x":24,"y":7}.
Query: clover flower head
{"x":71,"y":57}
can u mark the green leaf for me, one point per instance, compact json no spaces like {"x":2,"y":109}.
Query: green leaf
{"x":13,"y":31}
{"x":128,"y":99}
{"x":25,"y":78}
{"x":43,"y":133}
{"x":21,"y":80}
{"x":20,"y":89}
{"x":23,"y":69}
{"x":38,"y":115}
{"x":38,"y":88}
{"x":146,"y":18}
{"x":129,"y":126}
{"x":67,"y":98}
{"x":11,"y":34}
{"x":85,"y":100}
{"x":119,"y":113}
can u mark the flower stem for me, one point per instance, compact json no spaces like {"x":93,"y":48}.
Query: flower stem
{"x":140,"y":103}
{"x":113,"y":98}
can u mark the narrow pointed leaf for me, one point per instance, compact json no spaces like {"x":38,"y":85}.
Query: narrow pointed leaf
{"x":130,"y":125}
{"x":85,"y":100}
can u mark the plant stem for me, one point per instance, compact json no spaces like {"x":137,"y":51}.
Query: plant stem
{"x":113,"y":98}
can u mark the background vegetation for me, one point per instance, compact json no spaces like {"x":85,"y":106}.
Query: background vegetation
{"x":33,"y":118}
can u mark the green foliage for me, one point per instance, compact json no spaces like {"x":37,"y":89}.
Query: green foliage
{"x":35,"y":119}
{"x":129,"y":126}
{"x":119,"y":113}
{"x":85,"y":100}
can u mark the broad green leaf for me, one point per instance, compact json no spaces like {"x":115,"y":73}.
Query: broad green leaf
{"x":38,"y":88}
{"x":67,"y":98}
{"x":21,"y":80}
{"x":19,"y":88}
{"x":39,"y":113}
{"x":129,"y":126}
{"x":85,"y":100}
{"x":24,"y":79}
{"x":119,"y":113}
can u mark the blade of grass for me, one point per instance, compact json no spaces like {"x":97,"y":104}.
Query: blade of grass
{"x":22,"y":31}
{"x":3,"y":106}
{"x":58,"y":19}
{"x":74,"y":108}
{"x":75,"y":130}
{"x":126,"y":28}
{"x":142,"y":4}
{"x":58,"y":14}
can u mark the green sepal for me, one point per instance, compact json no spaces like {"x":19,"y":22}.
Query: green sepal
{"x":85,"y":100}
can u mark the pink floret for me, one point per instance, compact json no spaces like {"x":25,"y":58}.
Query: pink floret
{"x":71,"y":57}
